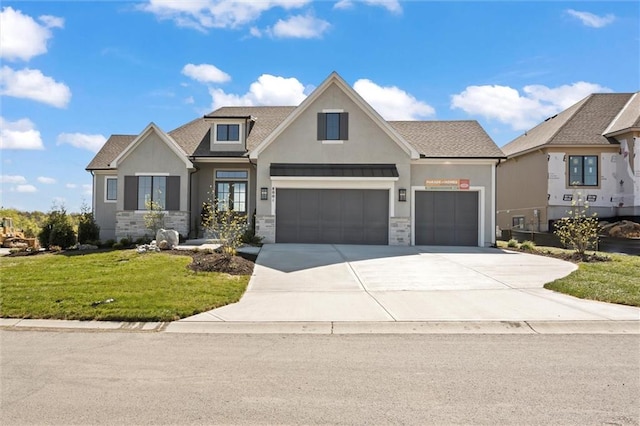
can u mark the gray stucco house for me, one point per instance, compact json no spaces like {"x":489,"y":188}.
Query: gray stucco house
{"x":330,"y":170}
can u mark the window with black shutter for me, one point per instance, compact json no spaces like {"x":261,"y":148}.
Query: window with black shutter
{"x":333,"y":126}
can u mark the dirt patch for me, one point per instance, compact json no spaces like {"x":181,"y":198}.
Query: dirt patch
{"x":206,"y":261}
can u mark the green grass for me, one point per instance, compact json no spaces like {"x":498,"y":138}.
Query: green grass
{"x":617,"y":281}
{"x":144,"y":287}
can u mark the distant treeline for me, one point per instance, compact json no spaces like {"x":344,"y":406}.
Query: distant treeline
{"x":32,"y":222}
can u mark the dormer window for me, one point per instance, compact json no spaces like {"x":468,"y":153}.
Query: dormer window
{"x":228,"y":133}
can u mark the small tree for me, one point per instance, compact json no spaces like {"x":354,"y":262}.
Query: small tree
{"x":578,"y":230}
{"x":58,"y":230}
{"x":154,"y":217}
{"x":228,"y":225}
{"x":88,"y":229}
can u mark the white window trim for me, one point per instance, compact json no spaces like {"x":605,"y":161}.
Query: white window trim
{"x":481,"y":208}
{"x":291,"y":182}
{"x":106,"y":200}
{"x":332,"y":142}
{"x":152,"y":174}
{"x":331,"y":110}
{"x":214,"y":130}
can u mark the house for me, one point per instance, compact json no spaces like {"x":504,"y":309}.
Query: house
{"x":588,"y":153}
{"x":330,"y":170}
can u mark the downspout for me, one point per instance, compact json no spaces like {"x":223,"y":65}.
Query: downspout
{"x":195,"y":170}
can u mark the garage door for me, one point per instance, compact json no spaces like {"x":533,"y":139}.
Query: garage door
{"x":332,"y":216}
{"x":446,"y":218}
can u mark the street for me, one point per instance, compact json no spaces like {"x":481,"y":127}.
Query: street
{"x":78,"y":377}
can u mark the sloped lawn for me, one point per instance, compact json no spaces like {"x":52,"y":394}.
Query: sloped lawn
{"x":606,"y":277}
{"x":115,"y":285}
{"x":617,"y":281}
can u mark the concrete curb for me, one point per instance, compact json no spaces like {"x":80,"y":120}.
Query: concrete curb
{"x":334,"y":327}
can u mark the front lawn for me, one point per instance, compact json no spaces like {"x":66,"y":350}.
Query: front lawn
{"x":115,"y":286}
{"x":616,"y":280}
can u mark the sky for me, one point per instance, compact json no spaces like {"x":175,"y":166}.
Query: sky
{"x":74,"y":72}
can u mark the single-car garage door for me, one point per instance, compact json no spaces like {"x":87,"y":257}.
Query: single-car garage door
{"x":332,"y":216}
{"x":446,"y":218}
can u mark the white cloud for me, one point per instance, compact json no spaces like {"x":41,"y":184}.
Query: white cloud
{"x":80,"y":140}
{"x":52,"y":21}
{"x":87,"y":189}
{"x":390,"y":5}
{"x":12,"y":179}
{"x":71,"y":185}
{"x":591,"y":20}
{"x":32,"y":84}
{"x":391,"y":102}
{"x":189,"y":100}
{"x":521,"y":112}
{"x":25,"y":188}
{"x":46,"y":180}
{"x":299,"y":26}
{"x":206,"y":14}
{"x":268,"y":90}
{"x":206,"y":73}
{"x":22,"y":37}
{"x":20,"y":134}
{"x":255,"y":32}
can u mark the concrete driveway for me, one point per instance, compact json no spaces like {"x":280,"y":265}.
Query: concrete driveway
{"x":314,"y":282}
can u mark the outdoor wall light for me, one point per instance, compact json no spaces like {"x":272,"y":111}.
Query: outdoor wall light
{"x":402,"y":194}
{"x":264,"y":193}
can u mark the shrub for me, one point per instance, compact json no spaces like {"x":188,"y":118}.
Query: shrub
{"x":109,"y":243}
{"x":117,"y":246}
{"x":528,"y":245}
{"x":249,"y":237}
{"x":154,"y":217}
{"x":228,"y":225}
{"x":126,"y":242}
{"x":513,"y":243}
{"x":58,"y":230}
{"x":88,"y":229}
{"x":578,"y":230}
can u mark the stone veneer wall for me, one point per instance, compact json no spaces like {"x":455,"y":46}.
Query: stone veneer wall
{"x":400,"y":231}
{"x":130,"y":224}
{"x":266,"y":228}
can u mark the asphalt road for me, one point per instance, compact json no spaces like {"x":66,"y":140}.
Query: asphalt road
{"x":158,"y":378}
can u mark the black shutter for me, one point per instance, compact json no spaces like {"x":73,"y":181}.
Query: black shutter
{"x":130,"y":192}
{"x":173,"y":193}
{"x":322,"y":126}
{"x":344,"y":126}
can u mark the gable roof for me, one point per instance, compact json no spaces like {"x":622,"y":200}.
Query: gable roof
{"x":448,"y":139}
{"x":584,"y":123}
{"x":109,"y":151}
{"x":335,"y":79}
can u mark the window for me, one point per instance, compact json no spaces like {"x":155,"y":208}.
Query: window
{"x":517,"y":222}
{"x":333,"y":126}
{"x":583,"y":170}
{"x":228,"y":132}
{"x":231,"y":190}
{"x":152,"y":189}
{"x":111,"y":189}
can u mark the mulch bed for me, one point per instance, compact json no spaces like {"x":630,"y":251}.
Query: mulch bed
{"x":569,"y":257}
{"x":207,"y":261}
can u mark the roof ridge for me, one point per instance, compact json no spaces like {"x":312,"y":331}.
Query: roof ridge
{"x":620,"y":113}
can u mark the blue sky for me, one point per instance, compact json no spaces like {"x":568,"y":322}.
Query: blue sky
{"x":72,"y":73}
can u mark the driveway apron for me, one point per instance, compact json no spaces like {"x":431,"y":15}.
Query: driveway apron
{"x":322,"y":282}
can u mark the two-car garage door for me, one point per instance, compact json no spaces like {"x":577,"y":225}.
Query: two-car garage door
{"x":361,"y":216}
{"x":332,"y":216}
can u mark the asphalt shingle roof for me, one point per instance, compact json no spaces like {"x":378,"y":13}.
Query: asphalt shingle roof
{"x":581,"y":124}
{"x":448,"y":139}
{"x":445,"y":139}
